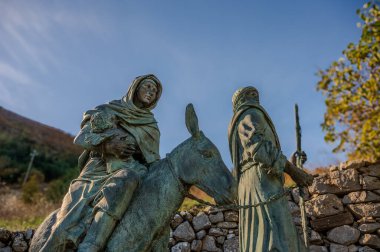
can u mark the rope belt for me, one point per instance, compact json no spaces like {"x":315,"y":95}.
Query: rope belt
{"x":237,"y":206}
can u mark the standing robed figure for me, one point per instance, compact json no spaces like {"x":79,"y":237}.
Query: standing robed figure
{"x":259,"y":167}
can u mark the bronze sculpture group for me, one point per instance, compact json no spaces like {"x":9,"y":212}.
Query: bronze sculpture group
{"x":126,"y":195}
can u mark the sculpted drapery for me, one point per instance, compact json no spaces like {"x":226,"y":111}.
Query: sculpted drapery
{"x":120,"y":141}
{"x":259,"y":166}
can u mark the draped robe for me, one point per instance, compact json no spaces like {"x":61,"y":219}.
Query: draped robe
{"x":259,"y":165}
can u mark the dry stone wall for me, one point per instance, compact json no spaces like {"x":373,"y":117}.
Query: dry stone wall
{"x":343,"y":208}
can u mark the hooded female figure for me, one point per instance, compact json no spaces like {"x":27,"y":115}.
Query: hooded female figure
{"x":121,"y":140}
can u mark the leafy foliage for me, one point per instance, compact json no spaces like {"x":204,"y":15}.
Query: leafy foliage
{"x":352,"y":89}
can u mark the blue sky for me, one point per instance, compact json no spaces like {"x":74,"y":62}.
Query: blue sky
{"x":60,"y":58}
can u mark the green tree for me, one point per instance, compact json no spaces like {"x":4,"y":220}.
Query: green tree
{"x":351,"y":86}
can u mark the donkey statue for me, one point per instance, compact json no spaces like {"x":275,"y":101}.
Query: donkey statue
{"x":145,"y":225}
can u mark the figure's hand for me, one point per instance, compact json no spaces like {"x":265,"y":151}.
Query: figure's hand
{"x":95,"y":139}
{"x":302,"y":156}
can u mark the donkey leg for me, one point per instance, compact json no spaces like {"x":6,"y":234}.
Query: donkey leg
{"x":161,"y":244}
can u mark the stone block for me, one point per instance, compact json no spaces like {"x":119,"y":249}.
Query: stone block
{"x":365,"y":210}
{"x":5,"y":235}
{"x":231,"y":245}
{"x":181,"y":247}
{"x":338,"y":248}
{"x":370,"y":240}
{"x":344,"y":235}
{"x":19,"y":244}
{"x":176,"y":221}
{"x":184,"y":232}
{"x":187,"y":216}
{"x":217,"y":217}
{"x":370,"y":182}
{"x":315,"y":248}
{"x":294,"y":209}
{"x":227,"y":225}
{"x":216,"y":232}
{"x":315,"y":238}
{"x":196,"y":245}
{"x":324,"y":205}
{"x":352,"y":164}
{"x":360,"y":197}
{"x":201,"y":221}
{"x":220,"y":239}
{"x":369,"y":227}
{"x":208,"y":244}
{"x":366,"y":249}
{"x":296,"y":194}
{"x":201,"y":234}
{"x":372,"y":170}
{"x":336,"y":182}
{"x":231,"y":216}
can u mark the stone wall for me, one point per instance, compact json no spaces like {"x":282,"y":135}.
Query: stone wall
{"x":343,"y":206}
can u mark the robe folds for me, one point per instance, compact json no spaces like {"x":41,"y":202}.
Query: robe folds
{"x":259,"y":166}
{"x":98,"y":179}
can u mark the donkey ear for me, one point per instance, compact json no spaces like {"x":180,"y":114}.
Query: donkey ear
{"x":192,"y":121}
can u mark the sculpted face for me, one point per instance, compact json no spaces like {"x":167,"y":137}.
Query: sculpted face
{"x":146,"y":94}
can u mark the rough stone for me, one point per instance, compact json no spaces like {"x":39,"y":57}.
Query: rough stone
{"x":227,"y":225}
{"x":231,"y":216}
{"x":329,"y":222}
{"x":196,"y":245}
{"x":372,"y":170}
{"x":370,"y":183}
{"x":365,"y":210}
{"x":186,"y":215}
{"x":352,"y":164}
{"x":296,"y":194}
{"x":370,"y":240}
{"x":184,"y":232}
{"x":366,"y":249}
{"x":6,"y":249}
{"x":181,"y":247}
{"x":324,"y":205}
{"x":338,"y":248}
{"x":297,"y":221}
{"x":315,"y":248}
{"x":218,"y":217}
{"x":176,"y":221}
{"x":368,"y":219}
{"x":208,"y":244}
{"x":29,"y":234}
{"x":172,"y":242}
{"x":216,"y":232}
{"x":220,"y":239}
{"x":19,"y":244}
{"x":230,"y":236}
{"x":360,"y":197}
{"x":5,"y":235}
{"x":201,"y":234}
{"x":338,"y":182}
{"x":344,"y":235}
{"x":315,"y":238}
{"x":353,"y":248}
{"x":231,"y":245}
{"x":201,"y":221}
{"x":369,"y":227}
{"x":294,"y":209}
{"x":346,"y":180}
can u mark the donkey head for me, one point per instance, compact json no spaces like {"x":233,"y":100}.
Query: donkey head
{"x":198,"y":162}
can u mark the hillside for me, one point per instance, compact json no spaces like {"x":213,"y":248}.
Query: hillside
{"x":19,"y":136}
